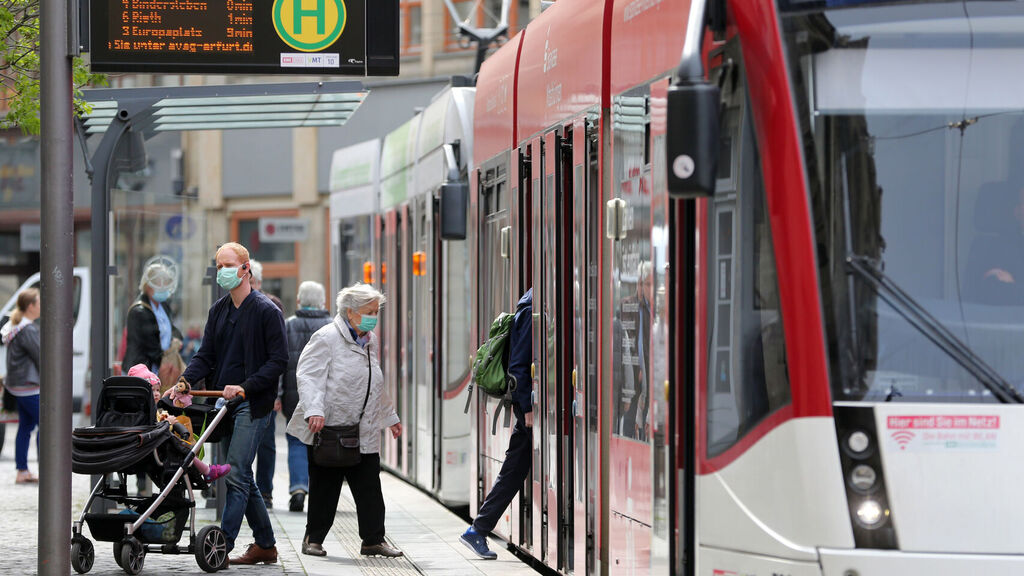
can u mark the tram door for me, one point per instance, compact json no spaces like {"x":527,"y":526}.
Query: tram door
{"x":421,"y":333}
{"x":495,"y":295}
{"x":403,"y":289}
{"x":390,"y":328}
{"x":522,"y":224}
{"x":553,"y":346}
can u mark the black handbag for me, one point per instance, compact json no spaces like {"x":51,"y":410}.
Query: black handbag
{"x":338,"y":446}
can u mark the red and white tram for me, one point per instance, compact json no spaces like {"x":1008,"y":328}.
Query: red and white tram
{"x":810,"y":368}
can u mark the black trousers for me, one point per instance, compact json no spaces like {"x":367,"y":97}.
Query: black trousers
{"x":514,"y":471}
{"x":325,"y":489}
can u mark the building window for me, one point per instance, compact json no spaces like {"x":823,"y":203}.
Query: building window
{"x":280,"y":260}
{"x":411,"y":26}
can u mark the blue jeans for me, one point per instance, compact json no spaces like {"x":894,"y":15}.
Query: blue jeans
{"x":28,"y":419}
{"x":298,"y":465}
{"x":243,"y":497}
{"x":266,"y":454}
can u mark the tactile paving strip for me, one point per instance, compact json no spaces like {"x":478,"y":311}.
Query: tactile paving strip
{"x":346,"y":530}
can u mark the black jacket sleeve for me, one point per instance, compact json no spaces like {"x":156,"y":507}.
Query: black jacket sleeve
{"x":520,"y":357}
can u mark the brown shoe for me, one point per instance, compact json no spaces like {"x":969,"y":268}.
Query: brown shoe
{"x":382,"y":549}
{"x":255,"y":555}
{"x":312,"y":548}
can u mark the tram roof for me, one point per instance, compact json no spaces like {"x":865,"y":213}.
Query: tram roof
{"x":494,"y":111}
{"x":560,"y":68}
{"x":648,"y":40}
{"x":225,"y":107}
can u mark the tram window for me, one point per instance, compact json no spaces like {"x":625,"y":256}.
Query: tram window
{"x":634,"y":352}
{"x":748,"y":376}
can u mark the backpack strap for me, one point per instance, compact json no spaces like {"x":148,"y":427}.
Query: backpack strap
{"x":469,"y":396}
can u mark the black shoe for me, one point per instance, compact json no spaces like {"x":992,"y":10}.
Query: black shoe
{"x":297,"y":501}
{"x":382,"y":549}
{"x":312,"y":548}
{"x":268,"y":501}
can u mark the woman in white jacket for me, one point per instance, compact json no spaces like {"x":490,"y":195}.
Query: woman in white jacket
{"x":334,"y":370}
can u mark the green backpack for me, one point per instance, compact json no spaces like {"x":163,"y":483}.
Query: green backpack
{"x":490,"y":365}
{"x":490,"y":368}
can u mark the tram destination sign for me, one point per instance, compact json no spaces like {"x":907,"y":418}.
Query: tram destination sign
{"x":308,"y":37}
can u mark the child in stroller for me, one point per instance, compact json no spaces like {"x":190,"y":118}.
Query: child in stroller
{"x":127,"y":440}
{"x":180,"y":425}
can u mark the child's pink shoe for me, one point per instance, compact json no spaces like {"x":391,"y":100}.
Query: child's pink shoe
{"x":217,"y":470}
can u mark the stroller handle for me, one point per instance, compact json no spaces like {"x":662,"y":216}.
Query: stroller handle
{"x":212,"y":393}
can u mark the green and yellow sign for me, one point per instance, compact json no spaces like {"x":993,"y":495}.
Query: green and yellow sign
{"x":309,"y":25}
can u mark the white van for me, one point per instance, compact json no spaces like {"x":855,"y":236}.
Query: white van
{"x":80,"y":334}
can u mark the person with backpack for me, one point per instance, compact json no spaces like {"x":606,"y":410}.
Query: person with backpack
{"x":518,"y":458}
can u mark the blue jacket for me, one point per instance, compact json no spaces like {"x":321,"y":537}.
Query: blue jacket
{"x":520,"y":355}
{"x":261,"y":325}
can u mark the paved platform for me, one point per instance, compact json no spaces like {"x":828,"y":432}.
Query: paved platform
{"x":418,"y":525}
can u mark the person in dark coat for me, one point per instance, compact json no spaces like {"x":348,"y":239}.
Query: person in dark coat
{"x":310,"y":316}
{"x":519,"y":457}
{"x":150,"y":330}
{"x":243,"y":352}
{"x":21,"y":336}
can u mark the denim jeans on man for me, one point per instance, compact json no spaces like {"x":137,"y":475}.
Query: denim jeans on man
{"x":243,"y":496}
{"x":266,"y":456}
{"x":298,"y":465}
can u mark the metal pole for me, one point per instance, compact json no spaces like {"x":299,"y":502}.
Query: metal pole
{"x":57,"y":259}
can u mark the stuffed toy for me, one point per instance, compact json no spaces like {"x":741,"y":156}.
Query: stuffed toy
{"x":181,"y":394}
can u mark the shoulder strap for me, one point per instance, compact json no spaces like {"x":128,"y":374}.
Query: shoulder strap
{"x":369,"y":370}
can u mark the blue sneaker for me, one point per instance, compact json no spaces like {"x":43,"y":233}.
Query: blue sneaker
{"x":478,"y":544}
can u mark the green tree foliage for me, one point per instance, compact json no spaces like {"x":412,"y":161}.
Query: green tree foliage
{"x":19,"y":67}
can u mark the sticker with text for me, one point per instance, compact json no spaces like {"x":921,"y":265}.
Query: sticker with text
{"x":942,"y":432}
{"x":300,"y":60}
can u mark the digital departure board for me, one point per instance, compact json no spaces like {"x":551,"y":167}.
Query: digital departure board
{"x":308,"y":37}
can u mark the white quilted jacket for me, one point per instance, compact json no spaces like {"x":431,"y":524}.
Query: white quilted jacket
{"x":331,"y":377}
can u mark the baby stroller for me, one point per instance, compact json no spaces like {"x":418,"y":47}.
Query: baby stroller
{"x":126,"y":440}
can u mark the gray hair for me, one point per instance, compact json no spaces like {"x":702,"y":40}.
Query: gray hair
{"x":311,"y":294}
{"x":358,"y":295}
{"x":257,"y":270}
{"x":160,"y":275}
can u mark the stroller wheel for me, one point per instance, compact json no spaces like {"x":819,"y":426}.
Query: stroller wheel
{"x":82,"y":554}
{"x":117,"y":553}
{"x":133,"y":556}
{"x":211,"y":549}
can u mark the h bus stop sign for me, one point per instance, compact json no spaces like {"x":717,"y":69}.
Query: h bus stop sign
{"x":308,"y":37}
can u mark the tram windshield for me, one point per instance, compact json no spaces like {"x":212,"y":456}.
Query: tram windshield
{"x":913,"y":120}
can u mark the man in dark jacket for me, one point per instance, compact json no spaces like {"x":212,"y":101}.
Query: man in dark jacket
{"x":310,"y":316}
{"x":243,"y":351}
{"x":519,"y":456}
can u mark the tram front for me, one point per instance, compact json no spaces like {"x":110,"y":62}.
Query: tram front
{"x":912,"y":120}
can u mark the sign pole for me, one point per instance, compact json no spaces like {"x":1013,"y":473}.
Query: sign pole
{"x":56,"y":281}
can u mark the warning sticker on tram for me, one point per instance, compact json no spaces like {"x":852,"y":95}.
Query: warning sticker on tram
{"x":347,"y":37}
{"x":942,"y":432}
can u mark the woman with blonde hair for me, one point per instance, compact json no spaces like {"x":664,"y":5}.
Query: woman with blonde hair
{"x":21,"y":336}
{"x":340,"y":383}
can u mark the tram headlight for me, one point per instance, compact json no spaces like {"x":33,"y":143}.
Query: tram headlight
{"x":863,"y":477}
{"x":870,"y":514}
{"x":858,"y":442}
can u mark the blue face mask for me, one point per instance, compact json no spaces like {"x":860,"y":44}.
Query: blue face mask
{"x":367,"y":323}
{"x":227,"y":278}
{"x":161,"y":295}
